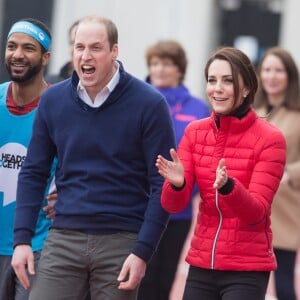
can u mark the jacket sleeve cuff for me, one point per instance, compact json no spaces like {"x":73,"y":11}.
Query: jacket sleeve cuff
{"x":227,"y":187}
{"x":144,"y":252}
{"x":176,"y":188}
{"x":22,"y":238}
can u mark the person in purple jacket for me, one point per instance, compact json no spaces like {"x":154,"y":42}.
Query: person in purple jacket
{"x":105,"y":128}
{"x":167,"y":271}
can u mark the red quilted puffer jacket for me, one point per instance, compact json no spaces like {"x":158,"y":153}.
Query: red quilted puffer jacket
{"x":233,"y":231}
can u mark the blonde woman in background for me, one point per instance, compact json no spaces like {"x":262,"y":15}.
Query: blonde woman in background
{"x":278,"y":101}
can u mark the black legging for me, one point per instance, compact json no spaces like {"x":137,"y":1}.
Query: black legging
{"x":160,"y":272}
{"x":207,"y":284}
{"x":284,"y":275}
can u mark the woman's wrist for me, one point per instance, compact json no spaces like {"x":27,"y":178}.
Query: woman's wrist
{"x":178,"y":188}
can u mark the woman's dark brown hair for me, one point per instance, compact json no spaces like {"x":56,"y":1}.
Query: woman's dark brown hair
{"x":240,"y":65}
{"x":292,"y":93}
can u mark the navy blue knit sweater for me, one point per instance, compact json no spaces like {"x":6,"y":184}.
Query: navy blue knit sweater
{"x":106,"y":175}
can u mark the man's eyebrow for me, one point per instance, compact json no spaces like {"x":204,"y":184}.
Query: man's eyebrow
{"x":22,"y":44}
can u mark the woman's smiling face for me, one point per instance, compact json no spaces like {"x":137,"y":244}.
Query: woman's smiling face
{"x":274,"y":79}
{"x":220,"y":88}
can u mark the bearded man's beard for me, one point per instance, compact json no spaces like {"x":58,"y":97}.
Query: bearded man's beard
{"x":30,"y":73}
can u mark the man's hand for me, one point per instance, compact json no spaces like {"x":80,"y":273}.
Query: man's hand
{"x":22,"y":257}
{"x":132,"y":272}
{"x":49,"y":209}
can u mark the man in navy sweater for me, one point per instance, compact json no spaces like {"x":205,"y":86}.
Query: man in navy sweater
{"x":106,"y":128}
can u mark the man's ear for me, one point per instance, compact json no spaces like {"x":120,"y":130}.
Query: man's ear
{"x":46,"y":58}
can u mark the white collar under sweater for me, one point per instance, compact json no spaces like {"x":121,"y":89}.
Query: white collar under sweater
{"x":103,"y":94}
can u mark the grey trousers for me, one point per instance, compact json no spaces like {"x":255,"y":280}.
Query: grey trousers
{"x":73,"y":263}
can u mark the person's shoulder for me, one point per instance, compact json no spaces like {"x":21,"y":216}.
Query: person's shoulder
{"x":54,"y":95}
{"x":57,"y":87}
{"x":145,"y":91}
{"x":4,"y":85}
{"x":266,"y":125}
{"x":270,"y":132}
{"x":292,"y":114}
{"x":198,"y":128}
{"x":201,"y":124}
{"x":3,"y":91}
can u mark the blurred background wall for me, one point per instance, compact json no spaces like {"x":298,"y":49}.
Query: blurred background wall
{"x":200,"y":25}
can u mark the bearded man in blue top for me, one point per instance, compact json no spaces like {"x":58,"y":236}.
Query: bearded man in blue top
{"x":26,"y":56}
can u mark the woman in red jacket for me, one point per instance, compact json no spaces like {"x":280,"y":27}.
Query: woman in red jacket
{"x":237,"y":161}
